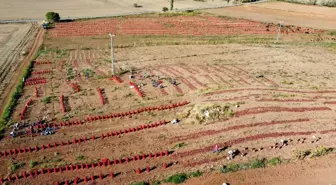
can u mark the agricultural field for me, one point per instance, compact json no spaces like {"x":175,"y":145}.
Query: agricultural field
{"x":19,"y":9}
{"x":292,"y":14}
{"x":224,"y":82}
{"x":15,"y":43}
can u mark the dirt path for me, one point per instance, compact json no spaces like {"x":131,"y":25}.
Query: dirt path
{"x":310,"y":172}
{"x":291,"y":14}
{"x":10,"y":88}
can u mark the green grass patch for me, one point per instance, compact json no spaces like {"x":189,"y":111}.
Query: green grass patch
{"x":180,"y":145}
{"x":46,"y":100}
{"x":258,"y":163}
{"x":195,"y":174}
{"x":80,"y":157}
{"x":274,"y":161}
{"x":16,"y":166}
{"x":32,"y":164}
{"x":88,"y":72}
{"x":177,"y":178}
{"x":232,"y":167}
{"x":70,"y":74}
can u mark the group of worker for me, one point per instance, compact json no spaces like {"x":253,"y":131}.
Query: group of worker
{"x":30,"y":129}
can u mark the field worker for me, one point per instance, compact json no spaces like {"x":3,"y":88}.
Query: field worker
{"x":216,"y":149}
{"x":174,"y":83}
{"x":232,"y":154}
{"x":174,"y":121}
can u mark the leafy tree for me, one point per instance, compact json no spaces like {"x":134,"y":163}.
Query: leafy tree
{"x":53,"y":17}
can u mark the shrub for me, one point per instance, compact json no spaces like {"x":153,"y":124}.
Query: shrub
{"x":15,"y":166}
{"x":232,"y":167}
{"x":179,"y":145}
{"x":300,"y":154}
{"x":52,"y":17}
{"x":196,"y":174}
{"x":177,"y":178}
{"x":164,"y":9}
{"x":258,"y":163}
{"x":140,"y":183}
{"x":274,"y":161}
{"x":46,"y":100}
{"x":80,"y":157}
{"x":319,"y":151}
{"x":32,"y":164}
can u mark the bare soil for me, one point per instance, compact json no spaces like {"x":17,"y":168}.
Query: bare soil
{"x":309,"y":172}
{"x":291,"y":14}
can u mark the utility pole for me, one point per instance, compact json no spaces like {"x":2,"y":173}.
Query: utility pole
{"x":171,"y":4}
{"x":112,"y":53}
{"x":279,"y":31}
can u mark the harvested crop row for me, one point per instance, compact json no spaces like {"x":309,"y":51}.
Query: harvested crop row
{"x":267,"y":89}
{"x":260,"y":110}
{"x":79,"y":140}
{"x":251,"y":138}
{"x":236,"y":127}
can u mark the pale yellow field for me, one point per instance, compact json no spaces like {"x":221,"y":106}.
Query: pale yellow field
{"x":36,"y":9}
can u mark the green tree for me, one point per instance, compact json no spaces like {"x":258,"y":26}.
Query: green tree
{"x":52,"y":17}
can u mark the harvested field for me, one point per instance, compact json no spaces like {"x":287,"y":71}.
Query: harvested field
{"x":292,"y":14}
{"x":19,"y":9}
{"x":15,"y":43}
{"x":79,"y":124}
